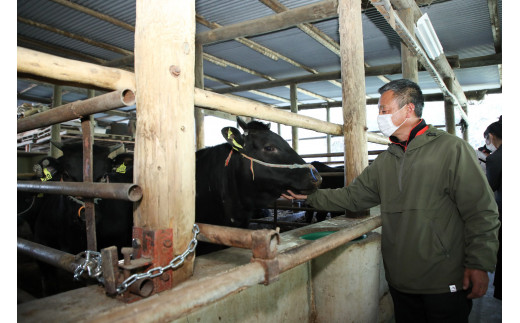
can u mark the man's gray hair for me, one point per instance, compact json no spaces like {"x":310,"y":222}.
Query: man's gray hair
{"x":406,"y":92}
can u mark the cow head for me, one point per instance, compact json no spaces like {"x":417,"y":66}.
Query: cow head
{"x":72,"y":161}
{"x":48,"y":169}
{"x":272,"y":164}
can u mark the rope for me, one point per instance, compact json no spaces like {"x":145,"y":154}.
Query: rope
{"x":290,"y":166}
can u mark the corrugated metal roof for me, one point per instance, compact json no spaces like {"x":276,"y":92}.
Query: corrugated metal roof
{"x":463,"y":26}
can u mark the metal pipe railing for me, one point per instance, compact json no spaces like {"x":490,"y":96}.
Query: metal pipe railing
{"x":54,"y":257}
{"x":207,"y":290}
{"x":117,"y":191}
{"x":77,"y":110}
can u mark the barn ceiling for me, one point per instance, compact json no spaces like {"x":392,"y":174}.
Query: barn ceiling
{"x":102,"y":32}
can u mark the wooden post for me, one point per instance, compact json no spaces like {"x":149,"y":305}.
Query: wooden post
{"x":329,"y":148}
{"x":199,"y":82}
{"x":353,"y":84}
{"x":165,"y":141}
{"x":465,"y":134}
{"x":56,"y":129}
{"x":294,"y":109}
{"x":449,"y":111}
{"x":408,"y":59}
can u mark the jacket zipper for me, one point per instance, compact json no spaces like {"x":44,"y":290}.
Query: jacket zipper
{"x":400,"y":178}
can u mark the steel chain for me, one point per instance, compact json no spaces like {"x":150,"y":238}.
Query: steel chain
{"x":174,"y":263}
{"x":92,"y":265}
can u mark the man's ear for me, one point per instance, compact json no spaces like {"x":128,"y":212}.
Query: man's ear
{"x":233,"y":137}
{"x":410,"y":109}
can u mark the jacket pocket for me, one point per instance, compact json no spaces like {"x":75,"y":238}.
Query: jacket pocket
{"x":441,"y":243}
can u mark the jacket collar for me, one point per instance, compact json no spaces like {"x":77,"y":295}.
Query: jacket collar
{"x":418,"y":130}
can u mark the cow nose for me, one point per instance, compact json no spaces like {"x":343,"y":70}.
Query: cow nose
{"x":316,"y":177}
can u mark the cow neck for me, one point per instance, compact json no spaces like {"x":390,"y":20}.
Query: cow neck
{"x":254,"y":160}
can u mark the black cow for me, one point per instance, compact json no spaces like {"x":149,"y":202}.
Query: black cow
{"x":247,"y":173}
{"x":58,"y":221}
{"x":114,"y":218}
{"x":328,"y":182}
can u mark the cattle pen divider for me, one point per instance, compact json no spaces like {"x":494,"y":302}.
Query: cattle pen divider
{"x":196,"y":293}
{"x":86,"y":189}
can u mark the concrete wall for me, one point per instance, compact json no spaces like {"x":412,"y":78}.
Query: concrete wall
{"x":342,"y":285}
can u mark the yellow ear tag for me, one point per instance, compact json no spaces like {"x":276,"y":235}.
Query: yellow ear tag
{"x":235,"y":144}
{"x":121,"y":169}
{"x":47,"y":174}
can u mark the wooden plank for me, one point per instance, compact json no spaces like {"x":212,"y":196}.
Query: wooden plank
{"x":164,"y":146}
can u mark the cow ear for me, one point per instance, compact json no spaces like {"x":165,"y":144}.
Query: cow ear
{"x":233,"y":137}
{"x":242,"y":123}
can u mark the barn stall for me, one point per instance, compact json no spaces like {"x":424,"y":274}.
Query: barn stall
{"x":290,"y":278}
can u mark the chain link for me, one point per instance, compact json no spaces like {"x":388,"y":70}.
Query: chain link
{"x":92,"y":265}
{"x":157,"y":271}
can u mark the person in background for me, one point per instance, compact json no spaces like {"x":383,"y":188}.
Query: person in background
{"x":439,"y":218}
{"x":493,"y":136}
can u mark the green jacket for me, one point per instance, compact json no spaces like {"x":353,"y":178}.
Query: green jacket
{"x":438,"y":212}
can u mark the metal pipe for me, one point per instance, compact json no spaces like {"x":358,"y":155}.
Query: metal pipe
{"x":297,"y":256}
{"x":117,"y":191}
{"x":77,"y":109}
{"x":208,"y":290}
{"x":57,"y":258}
{"x":88,"y":167}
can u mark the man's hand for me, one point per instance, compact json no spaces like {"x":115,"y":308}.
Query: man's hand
{"x":293,"y":196}
{"x":479,"y":279}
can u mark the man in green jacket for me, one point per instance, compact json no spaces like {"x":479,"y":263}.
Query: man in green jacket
{"x":440,"y":221}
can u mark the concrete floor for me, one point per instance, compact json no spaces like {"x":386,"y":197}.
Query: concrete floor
{"x":486,"y":309}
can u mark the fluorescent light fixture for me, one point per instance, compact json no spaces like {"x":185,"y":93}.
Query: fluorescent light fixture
{"x":428,"y":38}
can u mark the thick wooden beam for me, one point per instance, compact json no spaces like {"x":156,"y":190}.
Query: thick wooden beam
{"x":199,"y":83}
{"x":294,"y":109}
{"x":353,"y":79}
{"x":164,"y":145}
{"x":408,"y":59}
{"x":449,"y":111}
{"x":495,"y":25}
{"x":309,"y":13}
{"x":114,"y":79}
{"x":53,"y":67}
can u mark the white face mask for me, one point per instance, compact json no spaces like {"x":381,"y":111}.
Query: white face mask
{"x":386,"y":125}
{"x":490,"y":146}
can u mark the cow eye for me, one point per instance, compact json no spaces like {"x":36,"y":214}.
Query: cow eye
{"x":269,"y":148}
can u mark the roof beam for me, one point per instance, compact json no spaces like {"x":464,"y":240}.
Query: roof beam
{"x":439,"y":68}
{"x":369,"y":71}
{"x":436,"y":97}
{"x":315,"y":33}
{"x":74,"y":36}
{"x":96,"y":14}
{"x":495,"y":25}
{"x":55,"y":49}
{"x":309,"y":13}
